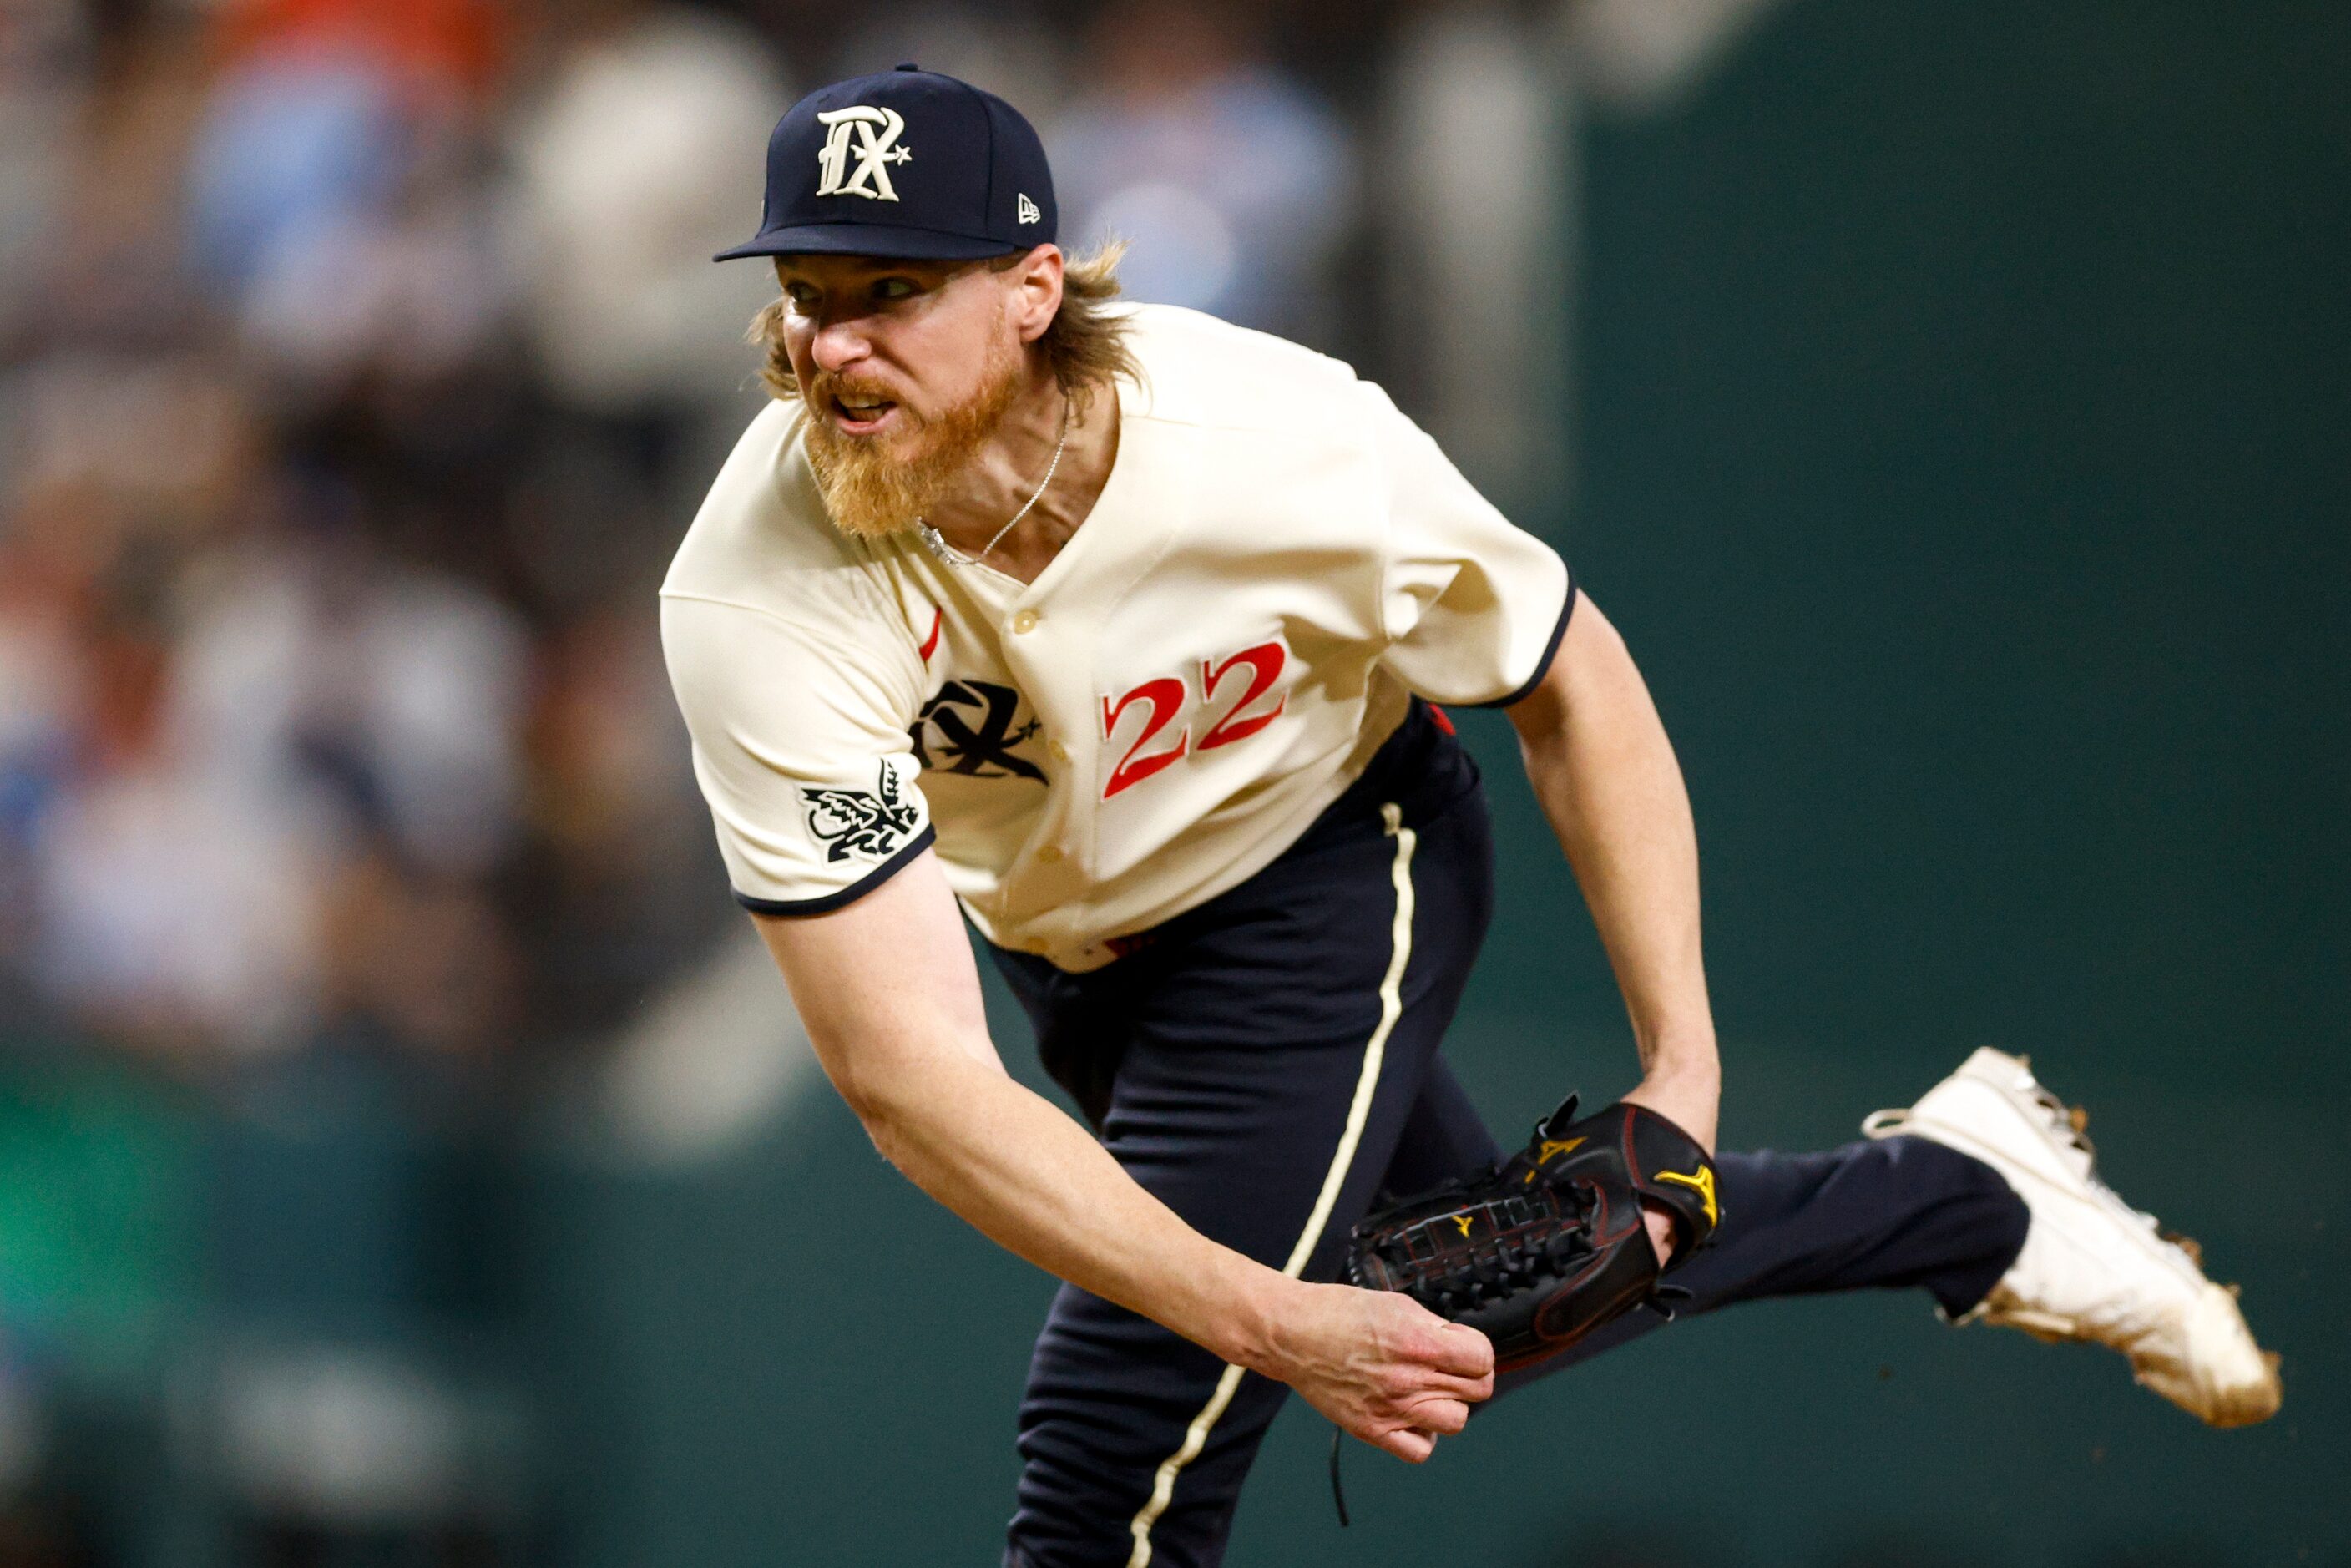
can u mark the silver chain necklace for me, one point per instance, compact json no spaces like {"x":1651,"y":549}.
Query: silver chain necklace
{"x":950,"y":556}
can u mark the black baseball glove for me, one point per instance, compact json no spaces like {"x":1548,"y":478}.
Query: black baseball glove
{"x":1538,"y":1252}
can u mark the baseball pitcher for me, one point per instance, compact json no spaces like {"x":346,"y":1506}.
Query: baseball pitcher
{"x":1124,"y":637}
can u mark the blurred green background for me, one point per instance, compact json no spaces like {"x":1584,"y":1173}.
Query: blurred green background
{"x":1957,"y":420}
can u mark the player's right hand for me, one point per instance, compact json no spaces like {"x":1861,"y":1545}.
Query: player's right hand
{"x":1381,"y":1366}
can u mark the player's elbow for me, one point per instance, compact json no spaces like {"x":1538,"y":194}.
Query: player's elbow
{"x":906,"y":1083}
{"x":884,"y":1126}
{"x":887,"y":1106}
{"x":888,"y":1133}
{"x":909,"y":1137}
{"x":869,"y":1095}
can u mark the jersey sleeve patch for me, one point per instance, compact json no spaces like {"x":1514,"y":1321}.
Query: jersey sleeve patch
{"x":870,"y":822}
{"x":800,"y":723}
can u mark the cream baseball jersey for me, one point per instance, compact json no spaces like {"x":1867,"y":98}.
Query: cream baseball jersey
{"x":1278,"y":561}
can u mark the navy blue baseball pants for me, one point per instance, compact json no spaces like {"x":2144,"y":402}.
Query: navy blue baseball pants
{"x":1266,"y":1065}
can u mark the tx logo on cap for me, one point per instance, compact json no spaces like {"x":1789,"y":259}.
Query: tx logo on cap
{"x":877,"y":148}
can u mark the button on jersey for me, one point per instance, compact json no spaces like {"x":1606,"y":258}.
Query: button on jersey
{"x":1276,"y":562}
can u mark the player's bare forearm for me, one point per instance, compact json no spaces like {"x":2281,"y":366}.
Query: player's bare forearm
{"x":891,"y":1001}
{"x":1598,"y":759}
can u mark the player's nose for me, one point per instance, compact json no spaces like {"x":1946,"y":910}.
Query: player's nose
{"x":838,"y":345}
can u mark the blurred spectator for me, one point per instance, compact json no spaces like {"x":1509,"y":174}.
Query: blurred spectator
{"x":641,"y":157}
{"x":408,"y":292}
{"x":137,"y":441}
{"x":176,"y":914}
{"x":41,"y":52}
{"x":1476,"y":276}
{"x":107,"y":270}
{"x":312,"y":119}
{"x":311,"y":664}
{"x":1233,"y":183}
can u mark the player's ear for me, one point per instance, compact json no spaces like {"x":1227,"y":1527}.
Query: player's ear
{"x":1037,"y":290}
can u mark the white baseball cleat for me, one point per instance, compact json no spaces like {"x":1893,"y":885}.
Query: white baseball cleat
{"x":2093,"y":1268}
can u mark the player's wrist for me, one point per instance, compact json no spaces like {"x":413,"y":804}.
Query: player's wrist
{"x":1682,"y":1054}
{"x":1690,"y":1097}
{"x":1690,"y":1074}
{"x":1680,"y":1044}
{"x":1255,"y":1302}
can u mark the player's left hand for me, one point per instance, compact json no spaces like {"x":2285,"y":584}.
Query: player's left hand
{"x":1661,"y":1235}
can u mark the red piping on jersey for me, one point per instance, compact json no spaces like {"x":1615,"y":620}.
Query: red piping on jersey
{"x":930,"y":646}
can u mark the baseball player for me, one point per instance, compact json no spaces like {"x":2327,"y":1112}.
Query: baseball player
{"x":1125,"y":637}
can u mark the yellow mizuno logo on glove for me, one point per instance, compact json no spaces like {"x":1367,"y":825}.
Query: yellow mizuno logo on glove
{"x":1700,"y":1181}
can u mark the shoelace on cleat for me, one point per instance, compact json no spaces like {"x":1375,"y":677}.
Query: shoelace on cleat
{"x":2073,"y":1123}
{"x":2074,"y":1120}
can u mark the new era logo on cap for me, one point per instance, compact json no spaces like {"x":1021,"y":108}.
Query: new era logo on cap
{"x":871,"y":197}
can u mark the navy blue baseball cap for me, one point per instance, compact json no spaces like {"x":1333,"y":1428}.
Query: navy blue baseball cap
{"x":906,"y":163}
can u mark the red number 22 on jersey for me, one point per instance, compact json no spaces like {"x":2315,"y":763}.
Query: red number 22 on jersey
{"x":1164,"y":699}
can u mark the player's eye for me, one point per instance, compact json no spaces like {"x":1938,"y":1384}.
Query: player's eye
{"x":893,"y":288}
{"x":803,"y":296}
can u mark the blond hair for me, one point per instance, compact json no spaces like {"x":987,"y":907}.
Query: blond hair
{"x":1085,"y":345}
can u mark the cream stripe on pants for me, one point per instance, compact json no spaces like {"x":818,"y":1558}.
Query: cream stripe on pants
{"x":1163,"y":1486}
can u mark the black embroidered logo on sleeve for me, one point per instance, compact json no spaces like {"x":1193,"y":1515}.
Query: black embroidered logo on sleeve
{"x":855,"y":823}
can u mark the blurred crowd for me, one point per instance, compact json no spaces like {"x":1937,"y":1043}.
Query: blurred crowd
{"x":361,"y":361}
{"x":349,"y":371}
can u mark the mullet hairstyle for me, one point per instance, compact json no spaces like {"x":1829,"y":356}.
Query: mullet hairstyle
{"x":1085,"y":345}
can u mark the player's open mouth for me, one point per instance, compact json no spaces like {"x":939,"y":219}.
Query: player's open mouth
{"x":861,"y":416}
